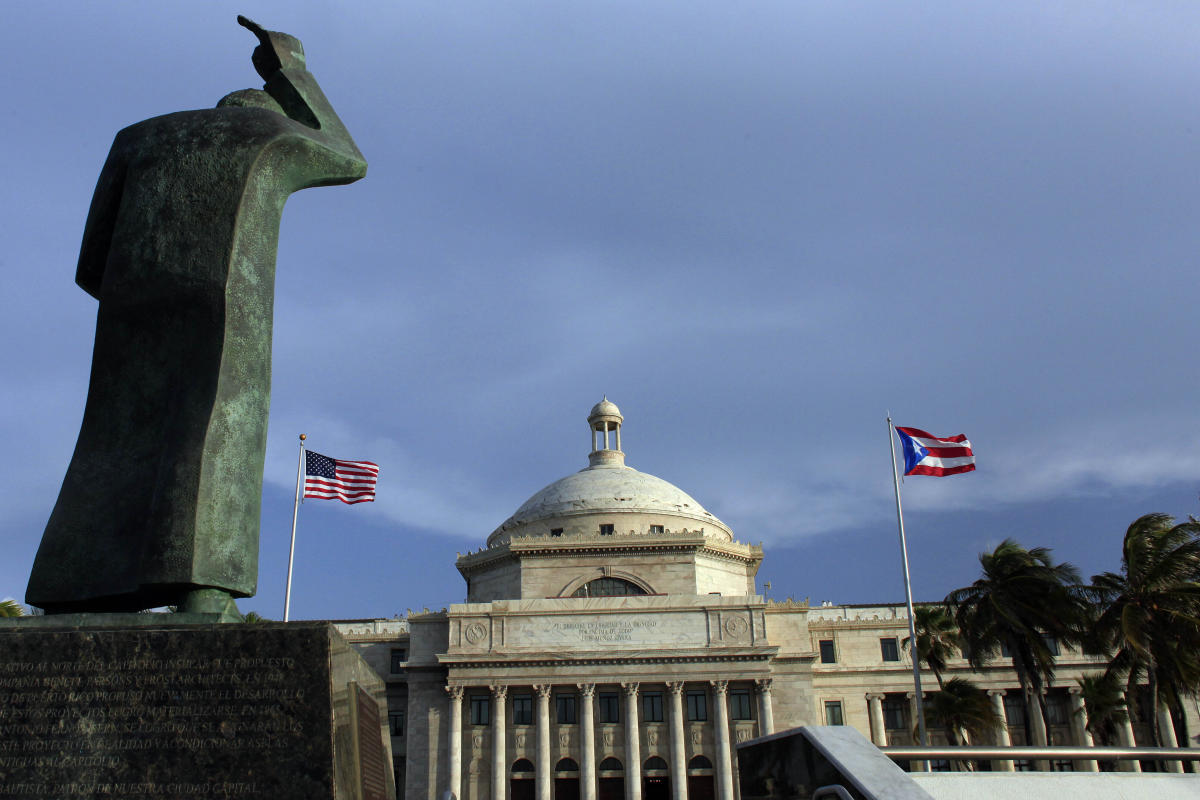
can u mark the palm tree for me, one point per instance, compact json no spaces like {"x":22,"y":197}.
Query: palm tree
{"x":964,"y":710}
{"x":1021,"y":604}
{"x":937,"y":638}
{"x":11,"y":608}
{"x":254,"y":617}
{"x":1103,"y":705}
{"x":1150,"y":617}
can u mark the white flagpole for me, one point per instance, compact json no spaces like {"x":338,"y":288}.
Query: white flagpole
{"x":287,"y":596}
{"x":912,"y":629}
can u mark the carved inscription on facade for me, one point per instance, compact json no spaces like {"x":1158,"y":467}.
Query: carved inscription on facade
{"x":605,"y":630}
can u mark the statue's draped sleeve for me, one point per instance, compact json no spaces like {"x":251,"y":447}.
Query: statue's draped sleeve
{"x":298,"y":92}
{"x":101,"y":220}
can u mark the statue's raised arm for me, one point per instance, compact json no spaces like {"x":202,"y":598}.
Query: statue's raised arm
{"x":160,"y":504}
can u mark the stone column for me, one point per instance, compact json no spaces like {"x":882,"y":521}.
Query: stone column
{"x":1079,"y":728}
{"x":1125,"y":734}
{"x":1166,"y":729}
{"x":766,"y":714}
{"x":543,"y":742}
{"x":875,"y":712}
{"x":678,"y":754}
{"x":633,"y":748}
{"x":1002,"y":737}
{"x":724,"y":752}
{"x":499,"y":759}
{"x":920,"y":764}
{"x":454,"y":741}
{"x":587,"y":738}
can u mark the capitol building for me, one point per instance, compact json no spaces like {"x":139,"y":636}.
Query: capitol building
{"x":614,"y":646}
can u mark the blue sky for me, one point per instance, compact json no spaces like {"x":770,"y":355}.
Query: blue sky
{"x":755,"y":227}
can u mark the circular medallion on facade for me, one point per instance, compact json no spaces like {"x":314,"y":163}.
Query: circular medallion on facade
{"x":736,"y":627}
{"x":475,"y":632}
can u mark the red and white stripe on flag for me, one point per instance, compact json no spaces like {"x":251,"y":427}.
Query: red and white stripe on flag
{"x":926,"y":454}
{"x":328,"y":478}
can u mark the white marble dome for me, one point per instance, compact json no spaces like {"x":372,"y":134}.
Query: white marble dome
{"x":608,"y":490}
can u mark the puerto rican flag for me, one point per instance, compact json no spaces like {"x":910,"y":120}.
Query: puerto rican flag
{"x":926,"y":454}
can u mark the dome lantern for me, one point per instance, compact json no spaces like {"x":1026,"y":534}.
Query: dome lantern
{"x":606,"y":419}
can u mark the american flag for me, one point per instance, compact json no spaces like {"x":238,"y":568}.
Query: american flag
{"x":328,"y":478}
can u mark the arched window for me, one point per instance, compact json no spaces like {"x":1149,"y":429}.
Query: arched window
{"x":522,"y":765}
{"x":608,"y":587}
{"x":655,"y":762}
{"x":699,"y":762}
{"x":611,"y":764}
{"x":566,"y":765}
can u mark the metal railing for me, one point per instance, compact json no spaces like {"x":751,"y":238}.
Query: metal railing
{"x":985,"y":753}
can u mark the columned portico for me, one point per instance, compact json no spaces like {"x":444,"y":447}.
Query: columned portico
{"x":587,"y":730}
{"x":724,"y":758}
{"x":1002,"y":737}
{"x":454,"y":741}
{"x":543,"y":742}
{"x":678,"y":754}
{"x":766,"y":714}
{"x":499,"y":758}
{"x":875,"y":712}
{"x":633,"y":749}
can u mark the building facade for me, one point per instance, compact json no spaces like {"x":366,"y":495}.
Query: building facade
{"x":613,"y":647}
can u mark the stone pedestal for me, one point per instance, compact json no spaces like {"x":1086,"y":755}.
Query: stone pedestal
{"x":163,"y":710}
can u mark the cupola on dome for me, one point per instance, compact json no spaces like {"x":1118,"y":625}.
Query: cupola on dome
{"x":608,"y":497}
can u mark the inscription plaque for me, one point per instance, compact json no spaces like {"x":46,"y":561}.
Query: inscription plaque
{"x":607,"y":630}
{"x":177,"y":711}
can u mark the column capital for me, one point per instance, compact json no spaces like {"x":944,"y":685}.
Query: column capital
{"x":543,"y":690}
{"x":630,"y":689}
{"x":1075,"y":690}
{"x":675,"y":687}
{"x":455,"y":692}
{"x":586,"y":689}
{"x":913,"y":695}
{"x":996,"y":692}
{"x":875,"y":695}
{"x":763,"y":685}
{"x":720,"y":687}
{"x":499,"y":690}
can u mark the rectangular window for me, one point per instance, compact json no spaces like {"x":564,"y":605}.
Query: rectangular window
{"x":833,"y":712}
{"x":895,"y":713}
{"x":1057,"y":709}
{"x":481,"y":708}
{"x":656,"y":529}
{"x":556,"y":531}
{"x":652,"y":707}
{"x":697,"y":706}
{"x":522,"y":709}
{"x":565,"y":707}
{"x":739,"y":704}
{"x":890,"y":649}
{"x":399,"y":656}
{"x":827,"y":654}
{"x":396,"y":722}
{"x":606,"y":530}
{"x":1014,"y":708}
{"x":1051,"y":644}
{"x":608,"y":706}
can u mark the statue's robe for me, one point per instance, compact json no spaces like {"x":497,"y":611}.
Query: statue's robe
{"x":164,"y":489}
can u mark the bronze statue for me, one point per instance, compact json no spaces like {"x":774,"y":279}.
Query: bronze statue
{"x":160,"y":504}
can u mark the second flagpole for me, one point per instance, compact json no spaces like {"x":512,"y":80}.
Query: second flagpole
{"x":912,"y":630}
{"x":287,"y":593}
